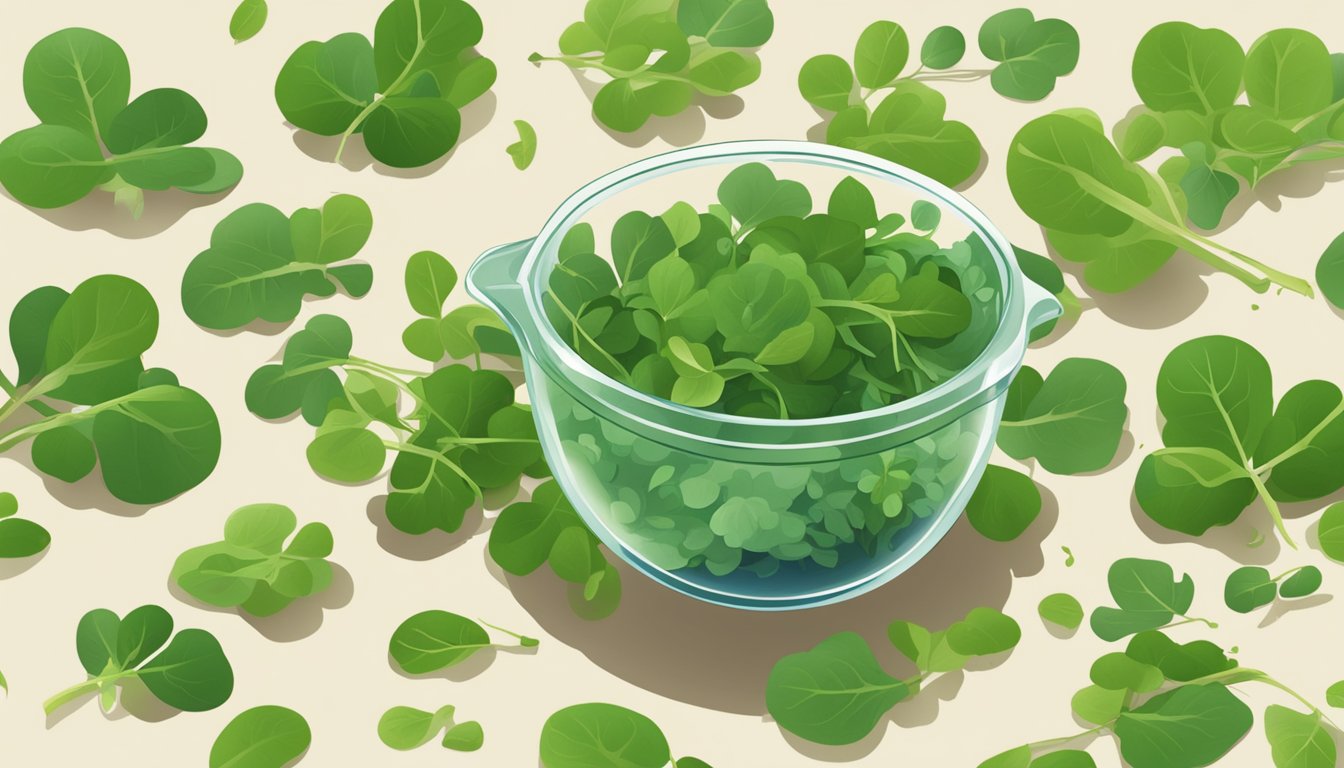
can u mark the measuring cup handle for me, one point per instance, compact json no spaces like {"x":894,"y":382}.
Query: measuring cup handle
{"x":493,"y":281}
{"x":1041,"y":305}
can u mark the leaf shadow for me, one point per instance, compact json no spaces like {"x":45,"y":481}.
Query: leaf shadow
{"x":16,"y":566}
{"x":475,"y":117}
{"x":1167,"y":297}
{"x":1280,"y":607}
{"x":1233,"y":539}
{"x":88,"y":492}
{"x":719,"y":658}
{"x":1296,"y":183}
{"x":424,"y":546}
{"x":1060,"y":631}
{"x":461,"y":672}
{"x":298,"y":620}
{"x":98,"y":211}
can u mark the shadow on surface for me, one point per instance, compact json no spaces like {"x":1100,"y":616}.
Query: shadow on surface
{"x":86,"y":493}
{"x":298,"y":620}
{"x":98,"y":211}
{"x":1169,"y":296}
{"x":425,"y":546}
{"x":16,"y":566}
{"x":1280,"y":608}
{"x":1233,"y":540}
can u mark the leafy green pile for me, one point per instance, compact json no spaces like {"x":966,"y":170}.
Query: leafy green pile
{"x":247,"y":20}
{"x":19,"y":537}
{"x":406,"y":728}
{"x":1191,"y":81}
{"x":546,"y":529}
{"x":252,"y":568}
{"x":1227,"y":444}
{"x":261,"y":264}
{"x":597,"y":734}
{"x":1173,"y":705}
{"x":78,"y":82}
{"x":262,"y":737}
{"x":402,"y":92}
{"x":462,"y":433}
{"x":1251,"y":586}
{"x":433,"y":640}
{"x":759,"y":307}
{"x":908,"y":125}
{"x":150,"y":437}
{"x":190,"y":673}
{"x":837,"y":692}
{"x":661,"y":54}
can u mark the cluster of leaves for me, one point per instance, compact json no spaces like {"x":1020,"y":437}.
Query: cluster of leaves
{"x":660,"y":54}
{"x":837,"y":692}
{"x":525,"y":149}
{"x":189,"y":673}
{"x":546,"y":529}
{"x":78,"y":83}
{"x":1147,"y":596}
{"x":402,"y":93}
{"x":252,"y":569}
{"x":1122,"y":221}
{"x":598,"y":735}
{"x":908,"y":125}
{"x":19,"y":537}
{"x":1330,"y":270}
{"x":261,"y":264}
{"x":1170,"y":705}
{"x":1191,"y":81}
{"x":759,"y":307}
{"x":268,"y":736}
{"x":247,"y":20}
{"x":1252,"y":587}
{"x":151,"y":438}
{"x":433,"y":640}
{"x":406,"y":728}
{"x":1227,"y":444}
{"x":462,"y":434}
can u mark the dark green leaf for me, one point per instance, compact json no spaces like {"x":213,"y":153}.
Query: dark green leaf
{"x":1004,"y":504}
{"x":1189,"y":727}
{"x":833,"y":694}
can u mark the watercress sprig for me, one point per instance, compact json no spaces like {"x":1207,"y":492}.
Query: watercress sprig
{"x":599,"y":735}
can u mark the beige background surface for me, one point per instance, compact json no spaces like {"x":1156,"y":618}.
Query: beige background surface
{"x":699,"y":671}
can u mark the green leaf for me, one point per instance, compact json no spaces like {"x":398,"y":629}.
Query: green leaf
{"x":21,"y":538}
{"x":826,"y":82}
{"x":1298,"y":740}
{"x":638,"y":241}
{"x":324,"y":87}
{"x":1248,"y":588}
{"x":432,"y":640}
{"x":600,"y":735}
{"x":262,"y":737}
{"x":9,"y":506}
{"x":942,"y":48}
{"x":1095,"y":704}
{"x":1071,"y":422}
{"x":1148,"y":597}
{"x":344,"y":449}
{"x":1330,"y":272}
{"x":525,"y":148}
{"x":1306,"y":581}
{"x":1334,"y":695}
{"x":406,"y":728}
{"x":1188,"y":727}
{"x":834,"y":693}
{"x":190,"y":674}
{"x":1004,"y":504}
{"x":1017,"y":757}
{"x":852,"y":201}
{"x":1288,"y":73}
{"x":248,"y":19}
{"x":411,"y":131}
{"x":422,"y":35}
{"x":163,"y":117}
{"x":1062,"y":609}
{"x":1178,"y":66}
{"x":1330,"y":532}
{"x":106,"y":320}
{"x":984,"y":632}
{"x":1032,"y":54}
{"x":880,"y":54}
{"x":49,"y":166}
{"x":1065,"y":758}
{"x":1117,"y":671}
{"x":430,"y":279}
{"x":753,"y":195}
{"x":1182,"y":663}
{"x":77,"y":78}
{"x":727,"y":23}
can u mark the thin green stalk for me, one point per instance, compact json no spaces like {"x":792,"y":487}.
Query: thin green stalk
{"x":82,"y":689}
{"x":1288,"y":572}
{"x":523,"y":640}
{"x":1191,"y":620}
{"x":1066,"y":739}
{"x":396,"y":445}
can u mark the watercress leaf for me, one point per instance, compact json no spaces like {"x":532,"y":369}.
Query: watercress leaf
{"x":1095,"y":704}
{"x":880,"y":54}
{"x":323,"y":87}
{"x":600,"y":735}
{"x":1248,"y":588}
{"x":908,"y":127}
{"x":64,"y":453}
{"x":826,"y":82}
{"x":1330,"y":272}
{"x":929,"y":308}
{"x":1192,"y":489}
{"x":1116,"y":671}
{"x":29,"y":324}
{"x":524,"y":534}
{"x":1032,"y":53}
{"x":1334,"y":695}
{"x":262,"y":737}
{"x":411,"y":131}
{"x":1330,"y":532}
{"x":406,"y":728}
{"x":344,"y":449}
{"x":943,"y":48}
{"x":1215,"y":391}
{"x":523,"y":150}
{"x":432,"y":640}
{"x":1072,"y":422}
{"x":9,"y":505}
{"x":1061,"y":609}
{"x":1004,"y":504}
{"x":163,"y":117}
{"x":49,"y":166}
{"x":1182,"y":663}
{"x":1190,"y":726}
{"x":755,"y":304}
{"x":638,"y":241}
{"x":1305,"y":440}
{"x":464,"y":737}
{"x":430,"y":279}
{"x":753,"y":195}
{"x":155,"y":443}
{"x":417,"y":35}
{"x":106,"y":320}
{"x":1017,"y":757}
{"x":984,"y":632}
{"x":96,"y":640}
{"x":1143,"y":585}
{"x":853,"y":202}
{"x":247,"y":20}
{"x":191,"y":674}
{"x":912,"y":640}
{"x":727,"y":23}
{"x":227,"y":172}
{"x":1064,"y":758}
{"x":21,"y":538}
{"x":834,"y":693}
{"x":426,"y":494}
{"x":1288,"y":73}
{"x":1303,"y":583}
{"x":174,"y":167}
{"x":1297,"y":739}
{"x":77,"y":78}
{"x":260,"y":527}
{"x":1178,"y":66}
{"x":723,"y":72}
{"x":1139,"y":135}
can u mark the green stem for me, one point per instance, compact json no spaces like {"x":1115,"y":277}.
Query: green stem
{"x":391,"y":89}
{"x":388,"y":369}
{"x":1303,"y":443}
{"x":523,"y":640}
{"x":81,"y":689}
{"x":1066,"y":739}
{"x":432,"y":455}
{"x":1272,"y":505}
{"x":1191,"y":620}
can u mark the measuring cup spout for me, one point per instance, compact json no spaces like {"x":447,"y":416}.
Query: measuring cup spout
{"x":1042,"y":306}
{"x":493,"y":281}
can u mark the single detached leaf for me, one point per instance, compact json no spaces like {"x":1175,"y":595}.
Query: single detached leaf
{"x":21,"y":538}
{"x":984,"y":632}
{"x":1188,"y":727}
{"x":1302,"y":583}
{"x":262,"y":737}
{"x":1330,"y":532}
{"x":1148,"y":597}
{"x":406,"y":728}
{"x":834,"y":693}
{"x":525,"y":148}
{"x":1062,"y":609}
{"x":1248,"y":588}
{"x":600,"y":735}
{"x":1004,"y":504}
{"x":432,"y":640}
{"x":1334,"y":695}
{"x":248,"y":19}
{"x":1071,"y":422}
